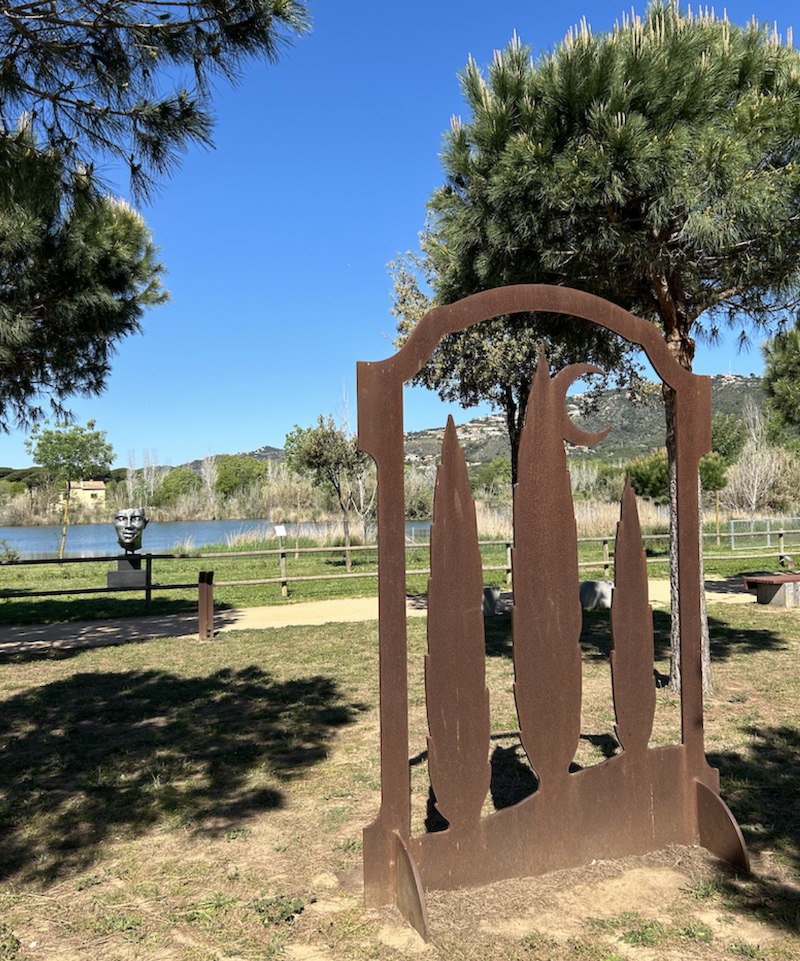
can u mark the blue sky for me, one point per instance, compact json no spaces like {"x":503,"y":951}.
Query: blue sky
{"x":276,"y":242}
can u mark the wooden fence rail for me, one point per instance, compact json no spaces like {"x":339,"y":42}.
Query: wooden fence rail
{"x":285,"y":579}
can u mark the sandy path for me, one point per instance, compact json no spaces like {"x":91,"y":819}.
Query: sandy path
{"x":43,"y":637}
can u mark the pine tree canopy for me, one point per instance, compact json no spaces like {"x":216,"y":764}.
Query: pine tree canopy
{"x":103,"y":78}
{"x":782,"y":374}
{"x":82,"y":82}
{"x":655,"y":165}
{"x":77,"y":270}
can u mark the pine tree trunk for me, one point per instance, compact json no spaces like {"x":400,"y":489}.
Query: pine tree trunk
{"x":515,"y":420}
{"x":684,"y":358}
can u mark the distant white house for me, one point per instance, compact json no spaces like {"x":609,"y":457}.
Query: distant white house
{"x":88,"y":493}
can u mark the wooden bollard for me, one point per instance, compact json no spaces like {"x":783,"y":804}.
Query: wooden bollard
{"x":205,"y":605}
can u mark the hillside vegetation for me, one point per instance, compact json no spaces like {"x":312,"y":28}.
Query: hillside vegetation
{"x":262,"y":485}
{"x":637,"y":426}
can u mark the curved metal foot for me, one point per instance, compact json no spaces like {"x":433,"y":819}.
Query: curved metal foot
{"x":410,"y":895}
{"x":718,"y":830}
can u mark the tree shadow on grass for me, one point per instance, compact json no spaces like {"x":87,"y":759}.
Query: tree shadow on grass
{"x":761,"y":785}
{"x":95,"y":608}
{"x":116,"y":754}
{"x":595,"y":635}
{"x":726,"y":639}
{"x":497,"y":631}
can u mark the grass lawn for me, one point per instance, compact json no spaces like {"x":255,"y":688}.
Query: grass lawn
{"x":241,"y":567}
{"x":198,"y":801}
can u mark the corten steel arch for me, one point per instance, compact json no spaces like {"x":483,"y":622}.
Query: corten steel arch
{"x":637,"y":801}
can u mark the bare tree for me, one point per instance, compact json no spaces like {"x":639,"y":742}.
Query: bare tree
{"x":208,"y":475}
{"x":131,"y":478}
{"x":763,"y":474}
{"x":364,"y":495}
{"x":152,"y":474}
{"x":363,"y":483}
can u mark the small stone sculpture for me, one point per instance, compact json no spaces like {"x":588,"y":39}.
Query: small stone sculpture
{"x":596,"y":595}
{"x":491,"y":595}
{"x":130,"y":523}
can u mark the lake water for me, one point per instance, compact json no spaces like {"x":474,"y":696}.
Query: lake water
{"x":91,"y":540}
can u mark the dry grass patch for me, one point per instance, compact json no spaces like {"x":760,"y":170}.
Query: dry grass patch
{"x":186,"y":801}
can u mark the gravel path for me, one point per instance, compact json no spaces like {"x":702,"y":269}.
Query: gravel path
{"x":30,"y":638}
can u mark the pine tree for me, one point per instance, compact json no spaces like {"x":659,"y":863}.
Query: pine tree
{"x":77,"y":270}
{"x":99,"y":79}
{"x":82,"y":82}
{"x":782,"y":374}
{"x":655,"y":165}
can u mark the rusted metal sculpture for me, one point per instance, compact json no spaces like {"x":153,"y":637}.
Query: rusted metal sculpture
{"x":639,"y":800}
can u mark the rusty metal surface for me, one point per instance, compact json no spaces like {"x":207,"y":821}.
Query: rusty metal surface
{"x":632,"y":684}
{"x":718,"y":829}
{"x":547,"y":614}
{"x":455,"y":679}
{"x":639,"y":800}
{"x":410,"y":895}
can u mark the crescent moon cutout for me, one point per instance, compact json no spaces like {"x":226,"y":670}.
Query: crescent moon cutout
{"x":563,"y":380}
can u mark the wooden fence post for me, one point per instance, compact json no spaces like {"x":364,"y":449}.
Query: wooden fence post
{"x":280,"y":533}
{"x":606,"y":560}
{"x":148,"y":581}
{"x":205,"y":605}
{"x":284,"y":582}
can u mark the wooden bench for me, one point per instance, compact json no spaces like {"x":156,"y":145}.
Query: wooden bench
{"x":780,"y":590}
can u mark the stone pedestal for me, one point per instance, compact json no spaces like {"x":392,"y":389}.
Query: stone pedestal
{"x":129,"y":573}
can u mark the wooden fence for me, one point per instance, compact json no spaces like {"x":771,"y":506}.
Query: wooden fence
{"x":284,"y":578}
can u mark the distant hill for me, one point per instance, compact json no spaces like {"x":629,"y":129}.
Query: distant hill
{"x":263,"y":453}
{"x":636,"y":427}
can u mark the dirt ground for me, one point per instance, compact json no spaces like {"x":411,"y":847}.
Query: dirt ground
{"x":673,"y":905}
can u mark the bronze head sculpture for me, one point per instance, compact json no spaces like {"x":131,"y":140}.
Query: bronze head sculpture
{"x":130,"y":523}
